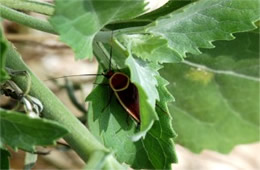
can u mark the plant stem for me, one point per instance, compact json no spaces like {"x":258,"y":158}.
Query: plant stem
{"x":39,"y":7}
{"x":27,"y":20}
{"x":45,"y":26}
{"x":79,"y":137}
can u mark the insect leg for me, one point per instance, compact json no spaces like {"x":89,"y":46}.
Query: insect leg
{"x":42,"y":152}
{"x":102,"y":84}
{"x":71,"y":93}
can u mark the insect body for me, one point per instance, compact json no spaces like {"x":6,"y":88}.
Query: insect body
{"x":125,"y":92}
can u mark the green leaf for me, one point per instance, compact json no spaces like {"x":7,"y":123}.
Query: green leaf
{"x":23,"y":132}
{"x":165,"y":95}
{"x":159,"y":144}
{"x":110,"y":123}
{"x":79,"y":21}
{"x":150,"y":48}
{"x":197,"y":25}
{"x":217,"y":95}
{"x":4,"y":161}
{"x":114,"y":129}
{"x":143,"y":76}
{"x":3,"y":48}
{"x":200,"y":23}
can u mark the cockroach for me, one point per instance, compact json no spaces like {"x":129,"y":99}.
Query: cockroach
{"x":125,"y":91}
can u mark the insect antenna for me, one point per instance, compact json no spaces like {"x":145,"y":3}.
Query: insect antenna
{"x":76,"y":75}
{"x":101,"y":74}
{"x":104,"y":50}
{"x":110,"y":53}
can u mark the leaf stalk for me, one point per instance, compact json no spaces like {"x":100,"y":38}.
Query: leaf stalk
{"x":79,"y":137}
{"x":33,"y":6}
{"x":25,"y":19}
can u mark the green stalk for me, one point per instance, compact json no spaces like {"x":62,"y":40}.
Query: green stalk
{"x":33,"y":6}
{"x":25,"y":19}
{"x":45,"y":26}
{"x":79,"y":137}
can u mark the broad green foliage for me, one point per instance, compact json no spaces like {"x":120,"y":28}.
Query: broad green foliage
{"x":217,"y":95}
{"x":192,"y":27}
{"x":23,"y":132}
{"x":205,"y":21}
{"x":3,"y":48}
{"x":79,"y":21}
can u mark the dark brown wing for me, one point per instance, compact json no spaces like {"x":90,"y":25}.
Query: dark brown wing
{"x":129,"y":99}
